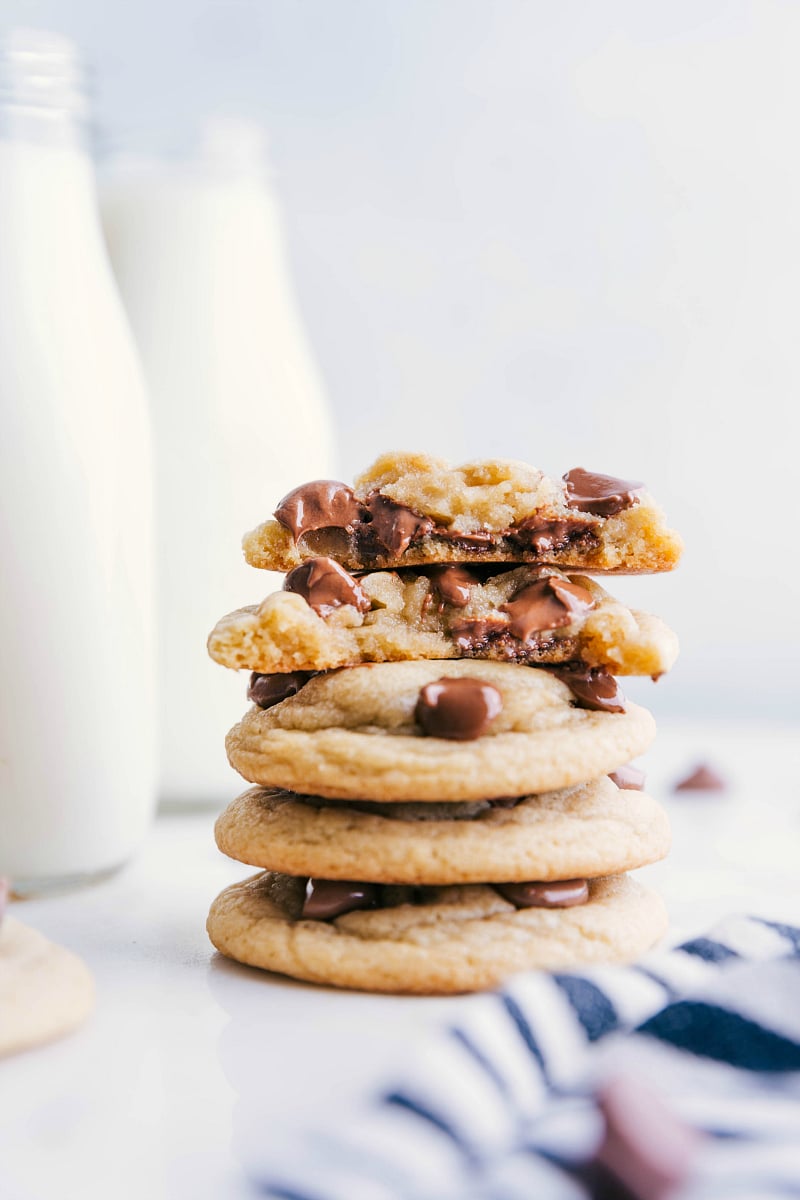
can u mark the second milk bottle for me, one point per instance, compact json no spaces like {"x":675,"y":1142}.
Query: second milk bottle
{"x":238,"y":411}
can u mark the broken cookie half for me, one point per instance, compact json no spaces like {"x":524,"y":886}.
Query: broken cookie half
{"x":413,"y":510}
{"x":325,"y":618}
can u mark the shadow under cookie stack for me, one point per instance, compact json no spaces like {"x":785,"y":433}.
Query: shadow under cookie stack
{"x":439,"y":747}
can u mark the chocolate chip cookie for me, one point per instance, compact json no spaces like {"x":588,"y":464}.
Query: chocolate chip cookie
{"x":444,"y":940}
{"x":433,"y":730}
{"x":587,"y":830}
{"x":415,"y":510}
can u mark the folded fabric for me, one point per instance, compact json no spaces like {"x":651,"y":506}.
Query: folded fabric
{"x":511,"y":1101}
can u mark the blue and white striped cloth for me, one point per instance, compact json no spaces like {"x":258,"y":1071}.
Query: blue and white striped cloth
{"x":501,"y":1105}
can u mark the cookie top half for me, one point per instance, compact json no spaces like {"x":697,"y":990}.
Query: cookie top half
{"x":413,"y":509}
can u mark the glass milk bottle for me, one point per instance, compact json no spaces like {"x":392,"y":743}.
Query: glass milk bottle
{"x":77,"y":736}
{"x":238,"y":409}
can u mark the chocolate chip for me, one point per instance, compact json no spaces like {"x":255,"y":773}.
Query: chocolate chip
{"x":546,"y":604}
{"x":628,"y":778}
{"x":544,"y":536}
{"x":702,"y":779}
{"x":561,"y":893}
{"x":505,"y":801}
{"x":474,"y":633}
{"x":326,"y":898}
{"x":321,"y":504}
{"x":395,"y":526}
{"x":326,"y":586}
{"x":645,"y":1147}
{"x":267,"y":690}
{"x":591,"y":687}
{"x":601,"y":495}
{"x":458,"y":709}
{"x":453,"y":583}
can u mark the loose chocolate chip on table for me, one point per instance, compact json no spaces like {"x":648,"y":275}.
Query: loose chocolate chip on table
{"x":457,"y":709}
{"x":453,"y":583}
{"x":561,"y":893}
{"x":321,"y":504}
{"x":325,"y":586}
{"x":702,"y":779}
{"x":592,"y":687}
{"x":628,"y":778}
{"x":645,"y":1147}
{"x":266,"y":690}
{"x":545,"y":604}
{"x":326,"y":898}
{"x":601,"y":495}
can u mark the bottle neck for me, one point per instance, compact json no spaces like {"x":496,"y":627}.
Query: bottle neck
{"x":43,"y":96}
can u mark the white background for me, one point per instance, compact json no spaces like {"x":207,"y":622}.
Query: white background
{"x":561,"y":232}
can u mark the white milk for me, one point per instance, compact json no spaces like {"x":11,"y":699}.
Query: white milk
{"x":238,"y":411}
{"x":77,"y":738}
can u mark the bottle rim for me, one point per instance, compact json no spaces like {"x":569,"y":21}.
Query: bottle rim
{"x":42,"y":72}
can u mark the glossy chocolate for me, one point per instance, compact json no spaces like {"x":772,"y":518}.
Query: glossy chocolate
{"x":453,"y":583}
{"x":646,"y":1148}
{"x":702,"y":779}
{"x":394,"y":526}
{"x":628,"y":778}
{"x":561,"y":893}
{"x":601,"y":495}
{"x":327,"y":898}
{"x":592,"y":687}
{"x":267,"y":690}
{"x":545,"y":604}
{"x":474,"y":633}
{"x":321,"y":504}
{"x":325,"y":586}
{"x":543,"y":536}
{"x":459,"y":709}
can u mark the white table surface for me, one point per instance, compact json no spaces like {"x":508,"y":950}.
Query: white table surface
{"x":186,"y":1051}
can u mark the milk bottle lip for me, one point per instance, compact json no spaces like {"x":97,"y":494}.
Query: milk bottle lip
{"x":43,"y":72}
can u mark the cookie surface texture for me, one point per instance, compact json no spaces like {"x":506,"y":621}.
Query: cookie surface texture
{"x":351,"y":734}
{"x":589,"y":830}
{"x":464,"y":939}
{"x":45,"y":990}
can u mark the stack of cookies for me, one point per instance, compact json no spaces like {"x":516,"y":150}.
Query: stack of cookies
{"x":440,"y":748}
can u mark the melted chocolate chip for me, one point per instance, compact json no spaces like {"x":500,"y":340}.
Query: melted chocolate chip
{"x":592,"y":687}
{"x":326,"y":898}
{"x":453,"y":583}
{"x":646,"y":1149}
{"x":505,"y":801}
{"x":702,"y":779}
{"x":267,"y":690}
{"x":601,"y":495}
{"x":543,"y":536}
{"x":474,"y":633}
{"x":545,"y":604}
{"x":457,"y":709}
{"x":326,"y":586}
{"x":628,"y":778}
{"x":394,"y":526}
{"x":321,"y":504}
{"x":561,"y":893}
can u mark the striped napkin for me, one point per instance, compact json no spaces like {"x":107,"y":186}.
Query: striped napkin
{"x":563,"y":1087}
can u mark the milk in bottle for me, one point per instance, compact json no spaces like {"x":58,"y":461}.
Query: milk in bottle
{"x":239,"y":413}
{"x":77,"y":711}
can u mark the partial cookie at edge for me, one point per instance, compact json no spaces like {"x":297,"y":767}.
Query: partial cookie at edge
{"x":45,"y":990}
